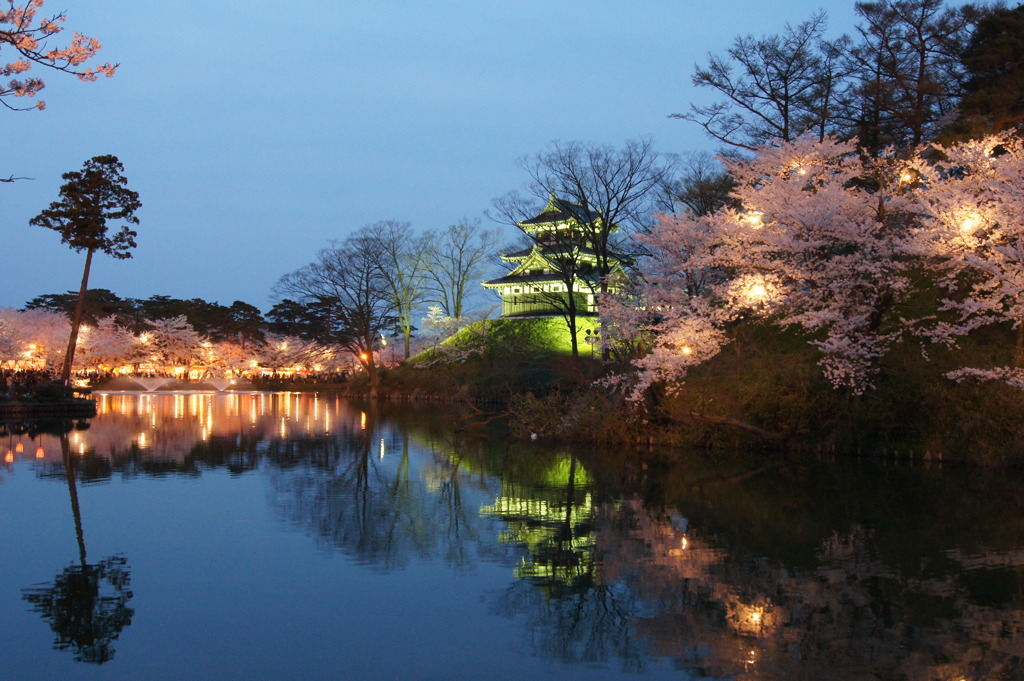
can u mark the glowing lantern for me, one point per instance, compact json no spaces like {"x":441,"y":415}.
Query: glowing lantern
{"x":970,"y":225}
{"x":40,"y":453}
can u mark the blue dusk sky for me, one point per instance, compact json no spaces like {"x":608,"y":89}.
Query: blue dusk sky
{"x":255,"y":133}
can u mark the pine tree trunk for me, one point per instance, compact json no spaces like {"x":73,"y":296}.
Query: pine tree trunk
{"x":76,"y":322}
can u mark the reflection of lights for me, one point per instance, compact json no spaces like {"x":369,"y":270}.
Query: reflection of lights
{"x":382,"y":449}
{"x":142,"y":441}
{"x":683,"y":543}
{"x":755,"y":620}
{"x":362,"y":420}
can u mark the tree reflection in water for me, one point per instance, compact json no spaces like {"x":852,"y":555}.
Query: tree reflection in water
{"x":363,"y":491}
{"x":720,"y":566}
{"x":86,"y":605}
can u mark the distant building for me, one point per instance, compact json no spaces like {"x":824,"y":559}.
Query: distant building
{"x":537,"y":285}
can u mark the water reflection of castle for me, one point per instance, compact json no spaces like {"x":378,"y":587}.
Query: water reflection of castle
{"x":609,"y":579}
{"x":613,"y":579}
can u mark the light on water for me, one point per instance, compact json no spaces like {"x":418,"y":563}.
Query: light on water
{"x":297,"y":536}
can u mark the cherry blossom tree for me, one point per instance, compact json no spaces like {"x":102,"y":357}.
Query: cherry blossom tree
{"x":227,"y":357}
{"x":669,"y":321}
{"x":25,"y":30}
{"x":34,"y":335}
{"x":971,"y":207}
{"x":819,"y":243}
{"x":105,"y":343}
{"x":815,"y":240}
{"x":282,"y":350}
{"x":8,"y":333}
{"x":171,"y":342}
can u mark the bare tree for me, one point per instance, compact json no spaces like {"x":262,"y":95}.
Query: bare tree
{"x":776,"y":87}
{"x":345,"y":281}
{"x":402,"y":259}
{"x":703,"y":185}
{"x":457,"y":258}
{"x":906,"y":70}
{"x":615,"y":191}
{"x":603,"y":193}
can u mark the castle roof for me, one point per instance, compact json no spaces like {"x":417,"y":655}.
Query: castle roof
{"x":560,"y":210}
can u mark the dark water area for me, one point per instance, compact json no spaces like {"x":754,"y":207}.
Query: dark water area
{"x":294,"y":536}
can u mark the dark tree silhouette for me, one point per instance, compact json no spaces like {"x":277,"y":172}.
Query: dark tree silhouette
{"x":86,"y":606}
{"x":90,"y":199}
{"x":346,"y":282}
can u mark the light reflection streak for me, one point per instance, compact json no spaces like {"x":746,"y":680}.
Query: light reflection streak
{"x":168,"y":424}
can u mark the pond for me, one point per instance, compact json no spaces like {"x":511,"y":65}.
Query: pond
{"x":300,"y":536}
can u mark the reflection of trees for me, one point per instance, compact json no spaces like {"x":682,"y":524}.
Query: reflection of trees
{"x":86,"y":606}
{"x":835,"y":586}
{"x":363,"y":491}
{"x":724,"y":567}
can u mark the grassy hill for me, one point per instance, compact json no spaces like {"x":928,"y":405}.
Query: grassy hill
{"x":764,"y":389}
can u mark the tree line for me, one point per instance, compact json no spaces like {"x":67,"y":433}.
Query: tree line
{"x":912,"y":71}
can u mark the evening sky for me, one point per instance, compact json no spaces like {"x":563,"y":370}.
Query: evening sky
{"x":257,"y":132}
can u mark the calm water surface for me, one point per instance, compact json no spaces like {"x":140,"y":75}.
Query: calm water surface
{"x":287,"y":536}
